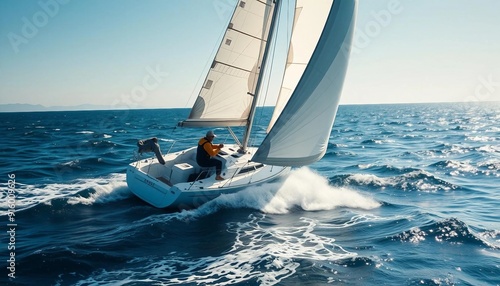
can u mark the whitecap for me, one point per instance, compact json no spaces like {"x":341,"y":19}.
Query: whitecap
{"x":461,"y":167}
{"x":113,"y":188}
{"x":110,"y":188}
{"x":419,"y":180}
{"x":365,"y":166}
{"x":480,"y":138}
{"x":489,"y":149}
{"x":368,"y":179}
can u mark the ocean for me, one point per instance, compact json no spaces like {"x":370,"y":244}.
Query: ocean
{"x":407,"y":194}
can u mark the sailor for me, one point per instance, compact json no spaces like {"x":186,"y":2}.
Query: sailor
{"x":151,"y":145}
{"x":206,"y":153}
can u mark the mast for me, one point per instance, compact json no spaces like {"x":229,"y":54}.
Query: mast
{"x":253,"y":107}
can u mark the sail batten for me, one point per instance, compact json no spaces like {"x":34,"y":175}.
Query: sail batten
{"x":223,"y":122}
{"x":249,"y":35}
{"x":231,"y":66}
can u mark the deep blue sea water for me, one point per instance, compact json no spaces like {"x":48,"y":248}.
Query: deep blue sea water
{"x":406,"y":195}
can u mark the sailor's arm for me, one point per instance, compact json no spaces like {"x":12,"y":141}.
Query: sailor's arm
{"x":212,"y":150}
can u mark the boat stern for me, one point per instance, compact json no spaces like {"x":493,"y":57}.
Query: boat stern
{"x":155,"y":191}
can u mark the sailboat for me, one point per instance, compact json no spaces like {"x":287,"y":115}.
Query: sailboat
{"x":299,"y":130}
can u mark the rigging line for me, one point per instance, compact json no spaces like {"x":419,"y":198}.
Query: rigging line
{"x":261,"y":100}
{"x":270,"y":28}
{"x":272,"y":62}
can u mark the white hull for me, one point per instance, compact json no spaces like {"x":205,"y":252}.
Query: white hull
{"x":177,"y":184}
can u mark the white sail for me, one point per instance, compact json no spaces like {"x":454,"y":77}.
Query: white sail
{"x":310,"y":18}
{"x":300,"y":134}
{"x":227,"y":93}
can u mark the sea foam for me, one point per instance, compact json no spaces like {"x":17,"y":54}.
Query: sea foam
{"x":302,"y":188}
{"x":83,"y":191}
{"x":111,"y":189}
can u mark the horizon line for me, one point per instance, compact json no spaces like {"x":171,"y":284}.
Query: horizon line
{"x":94,"y":107}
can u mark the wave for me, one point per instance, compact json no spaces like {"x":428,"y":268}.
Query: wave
{"x":488,"y":149}
{"x":491,"y":166}
{"x":451,"y":230}
{"x":114,"y":190}
{"x":83,"y":191}
{"x":88,"y":163}
{"x":456,"y":168}
{"x":375,"y":141}
{"x":385,"y":169}
{"x":72,"y":263}
{"x":448,"y":279}
{"x":76,"y":147}
{"x":38,"y":134}
{"x":98,"y":144}
{"x":446,"y":149}
{"x":356,"y":262}
{"x":336,"y":154}
{"x":480,"y":138}
{"x":336,"y":145}
{"x":414,"y":180}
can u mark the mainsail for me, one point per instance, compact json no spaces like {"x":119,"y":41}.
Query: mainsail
{"x":301,"y":132}
{"x":227,"y":93}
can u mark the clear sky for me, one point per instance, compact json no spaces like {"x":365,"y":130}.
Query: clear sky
{"x":154,"y":53}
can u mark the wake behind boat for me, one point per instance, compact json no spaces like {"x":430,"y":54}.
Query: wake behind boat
{"x":300,"y":127}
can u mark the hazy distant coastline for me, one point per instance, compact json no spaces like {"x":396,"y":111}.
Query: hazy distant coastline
{"x":20,"y":107}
